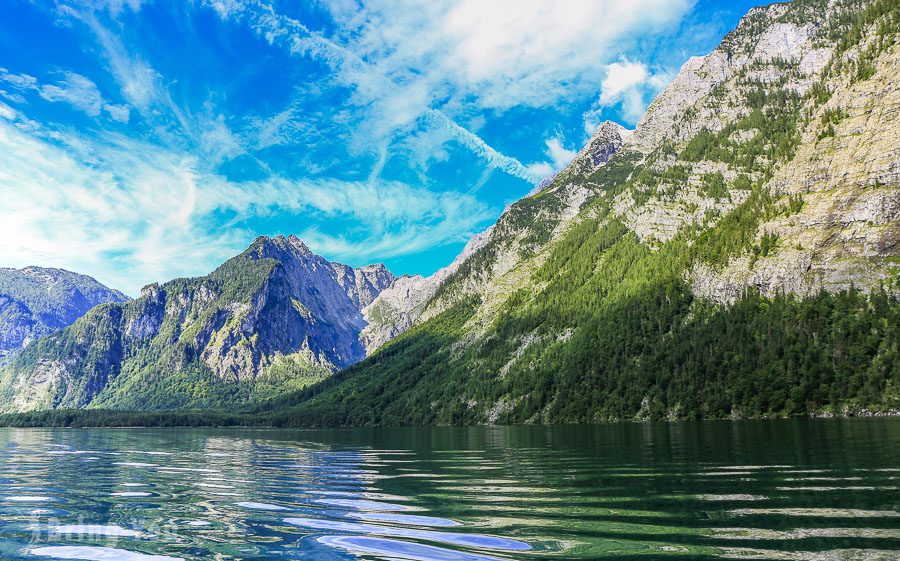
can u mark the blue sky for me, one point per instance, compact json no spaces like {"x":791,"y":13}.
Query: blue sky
{"x":142,"y":141}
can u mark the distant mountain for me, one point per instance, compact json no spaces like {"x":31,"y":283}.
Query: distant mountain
{"x":36,"y":301}
{"x":737,"y":254}
{"x":275,"y":317}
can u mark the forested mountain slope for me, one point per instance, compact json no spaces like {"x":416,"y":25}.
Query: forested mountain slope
{"x":274,"y":318}
{"x":36,"y":301}
{"x":736,"y":255}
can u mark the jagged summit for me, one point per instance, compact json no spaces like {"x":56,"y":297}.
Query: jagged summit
{"x":265,"y":246}
{"x":606,"y":141}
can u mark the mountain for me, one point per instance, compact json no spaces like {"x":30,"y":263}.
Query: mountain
{"x":275,"y":317}
{"x":36,"y":301}
{"x":735,"y":255}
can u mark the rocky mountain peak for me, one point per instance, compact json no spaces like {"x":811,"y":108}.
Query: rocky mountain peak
{"x":771,"y":44}
{"x":150,"y":291}
{"x":297,"y":244}
{"x":276,"y":316}
{"x":606,"y":141}
{"x":279,"y":247}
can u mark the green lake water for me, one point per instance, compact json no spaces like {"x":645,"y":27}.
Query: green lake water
{"x":787,"y":489}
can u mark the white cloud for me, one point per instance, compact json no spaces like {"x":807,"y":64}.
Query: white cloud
{"x":117,"y":6}
{"x":77,"y":91}
{"x":541,"y":169}
{"x":74,"y":89}
{"x":217,"y":142}
{"x":7,"y":112}
{"x":82,"y":94}
{"x":140,"y":83}
{"x":559,"y":155}
{"x":130,"y":212}
{"x":629,"y":84}
{"x":399,"y":219}
{"x":393,"y":104}
{"x":503,"y":53}
{"x":18,"y":81}
{"x":478,"y":146}
{"x":119,"y":113}
{"x":621,"y":77}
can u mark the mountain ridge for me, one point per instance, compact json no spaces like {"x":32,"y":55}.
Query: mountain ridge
{"x":36,"y":301}
{"x":273,"y":317}
{"x":736,"y":256}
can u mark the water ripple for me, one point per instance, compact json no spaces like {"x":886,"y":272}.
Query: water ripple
{"x":817,"y":491}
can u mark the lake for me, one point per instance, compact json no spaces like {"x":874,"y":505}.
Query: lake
{"x":781,"y":489}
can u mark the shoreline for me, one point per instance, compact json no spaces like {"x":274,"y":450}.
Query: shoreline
{"x":163,"y":419}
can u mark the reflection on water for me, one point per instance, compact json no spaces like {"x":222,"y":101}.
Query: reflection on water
{"x":794,"y":490}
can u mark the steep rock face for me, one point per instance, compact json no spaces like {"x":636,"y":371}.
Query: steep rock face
{"x":770,"y":43}
{"x":400,"y":305}
{"x":275,"y":317}
{"x":844,"y":229}
{"x":37,"y":301}
{"x":767,"y":168}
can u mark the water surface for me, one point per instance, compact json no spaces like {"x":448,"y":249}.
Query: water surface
{"x":795,"y":490}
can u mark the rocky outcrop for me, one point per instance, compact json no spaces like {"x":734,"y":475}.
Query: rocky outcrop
{"x":308,"y":305}
{"x":399,"y":306}
{"x":763,"y":48}
{"x":37,"y":301}
{"x":606,"y":141}
{"x":843,"y":184}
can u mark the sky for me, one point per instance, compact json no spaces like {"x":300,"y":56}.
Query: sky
{"x":142,"y":141}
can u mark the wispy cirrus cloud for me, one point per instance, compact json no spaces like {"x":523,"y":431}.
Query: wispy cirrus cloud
{"x":74,"y":89}
{"x":393,"y":102}
{"x":82,"y":93}
{"x":130,"y":211}
{"x":140,"y":84}
{"x":409,"y":62}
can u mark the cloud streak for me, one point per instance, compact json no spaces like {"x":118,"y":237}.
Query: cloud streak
{"x":393,"y":99}
{"x":134,"y":210}
{"x":74,"y":89}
